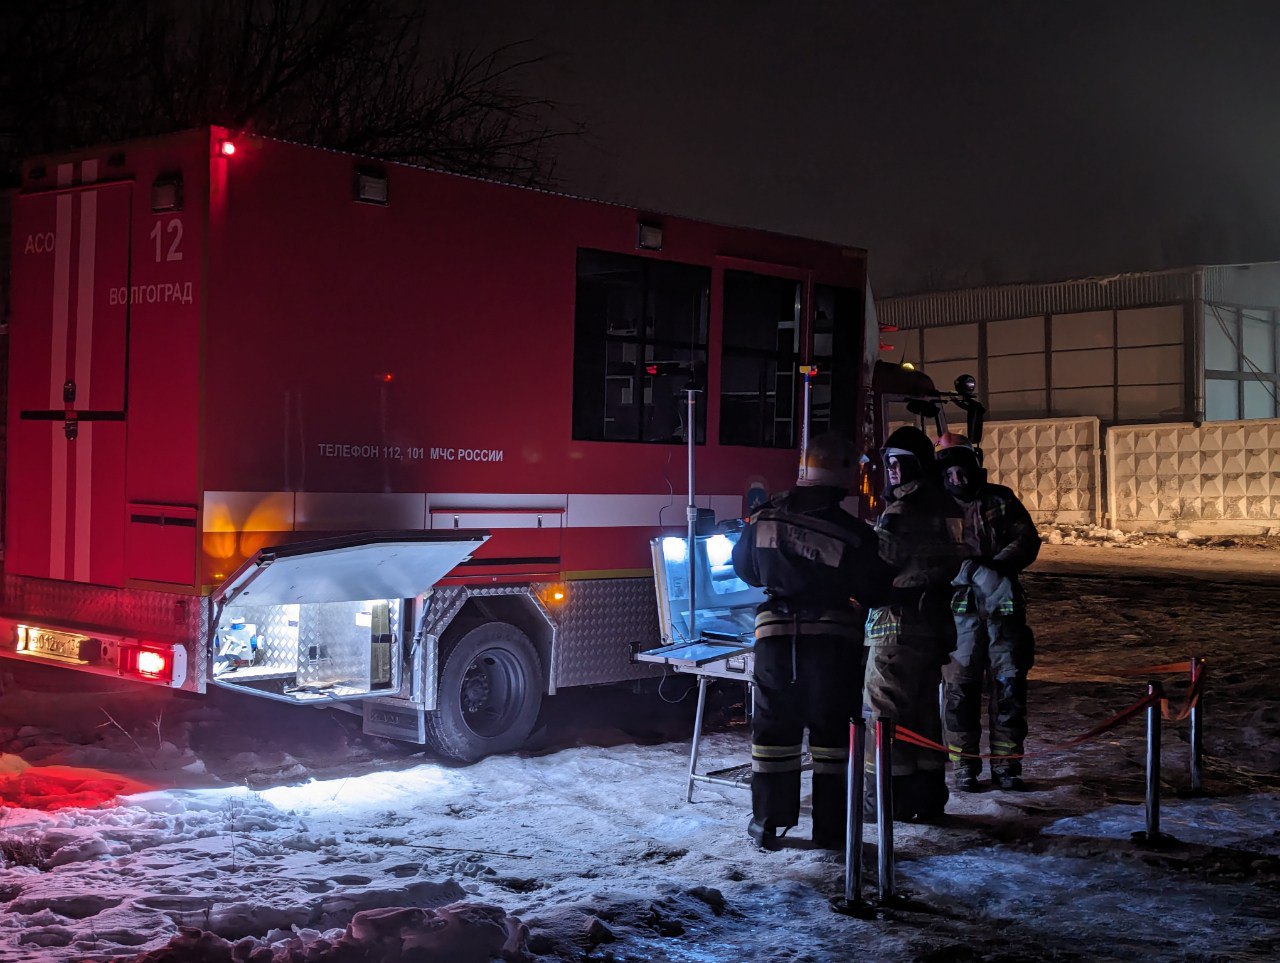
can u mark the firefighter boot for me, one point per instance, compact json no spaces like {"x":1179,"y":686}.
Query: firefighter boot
{"x":906,"y":798}
{"x":1008,"y":730}
{"x":929,"y":795}
{"x":1002,"y":777}
{"x":830,"y":840}
{"x":1007,"y":775}
{"x":964,"y":777}
{"x":830,"y":812}
{"x":764,"y":835}
{"x":962,"y":710}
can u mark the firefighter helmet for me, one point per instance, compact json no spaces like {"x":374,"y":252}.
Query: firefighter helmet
{"x":954,"y":448}
{"x":907,"y":457}
{"x":952,"y":439}
{"x":912,"y":441}
{"x":829,"y":460}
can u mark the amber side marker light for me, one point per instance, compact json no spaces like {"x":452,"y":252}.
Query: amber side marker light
{"x":553,"y":595}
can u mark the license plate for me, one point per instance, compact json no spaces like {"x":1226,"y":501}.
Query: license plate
{"x":58,"y":645}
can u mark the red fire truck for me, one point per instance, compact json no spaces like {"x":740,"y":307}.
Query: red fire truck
{"x":325,"y":430}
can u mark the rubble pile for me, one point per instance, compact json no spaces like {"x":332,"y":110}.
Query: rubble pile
{"x":1062,"y":534}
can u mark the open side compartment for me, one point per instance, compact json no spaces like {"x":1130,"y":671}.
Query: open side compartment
{"x":724,"y":604}
{"x":719,"y":643}
{"x":328,"y":620}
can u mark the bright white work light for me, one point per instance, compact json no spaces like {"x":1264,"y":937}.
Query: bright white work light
{"x":719,"y":550}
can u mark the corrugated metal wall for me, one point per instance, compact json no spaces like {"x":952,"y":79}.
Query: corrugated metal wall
{"x":1246,"y":284}
{"x":1123,"y":348}
{"x":1026,"y":300}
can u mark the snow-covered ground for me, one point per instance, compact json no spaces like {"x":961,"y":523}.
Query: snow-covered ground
{"x":228,"y":828}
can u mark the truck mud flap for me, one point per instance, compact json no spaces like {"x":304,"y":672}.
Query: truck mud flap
{"x":327,"y":620}
{"x":395,"y":719}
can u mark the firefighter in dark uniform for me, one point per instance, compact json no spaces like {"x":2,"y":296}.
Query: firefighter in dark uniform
{"x":817,"y":562}
{"x":992,"y":636}
{"x":908,"y":640}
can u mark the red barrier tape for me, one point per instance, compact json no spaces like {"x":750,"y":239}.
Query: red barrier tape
{"x":1165,"y":669}
{"x":1193,"y":699}
{"x":923,"y":742}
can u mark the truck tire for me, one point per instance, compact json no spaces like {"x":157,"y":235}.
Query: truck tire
{"x":490,"y":693}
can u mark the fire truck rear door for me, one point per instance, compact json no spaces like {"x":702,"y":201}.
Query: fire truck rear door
{"x":67,"y":382}
{"x":327,"y":620}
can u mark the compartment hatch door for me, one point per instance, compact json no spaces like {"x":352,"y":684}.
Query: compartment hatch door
{"x":323,"y":620}
{"x":381,"y":566}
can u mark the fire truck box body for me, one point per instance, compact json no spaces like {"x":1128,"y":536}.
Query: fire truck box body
{"x":230,"y":353}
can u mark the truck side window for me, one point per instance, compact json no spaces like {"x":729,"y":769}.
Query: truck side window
{"x":837,"y":351}
{"x":632,"y":312}
{"x":760,"y":361}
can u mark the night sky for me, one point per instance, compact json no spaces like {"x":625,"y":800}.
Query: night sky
{"x":963,"y":143}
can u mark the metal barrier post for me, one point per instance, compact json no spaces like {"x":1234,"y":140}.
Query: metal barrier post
{"x":1197,"y":732}
{"x":852,"y":903}
{"x":1152,"y":836}
{"x":853,"y":816}
{"x":884,"y":804}
{"x":1155,"y":691}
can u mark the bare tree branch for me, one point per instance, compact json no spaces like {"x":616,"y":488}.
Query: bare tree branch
{"x":353,"y":75}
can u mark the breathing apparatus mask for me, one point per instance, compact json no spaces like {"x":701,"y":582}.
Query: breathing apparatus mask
{"x":962,"y":476}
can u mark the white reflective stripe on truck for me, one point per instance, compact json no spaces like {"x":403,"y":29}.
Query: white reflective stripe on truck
{"x":84,"y":368}
{"x":234,"y":511}
{"x":58,"y":374}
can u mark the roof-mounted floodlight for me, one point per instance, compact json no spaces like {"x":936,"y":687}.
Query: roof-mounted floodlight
{"x":649,"y":237}
{"x":372,"y":187}
{"x":166,"y":193}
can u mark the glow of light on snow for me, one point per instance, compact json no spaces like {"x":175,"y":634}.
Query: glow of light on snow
{"x":593,"y":824}
{"x":372,"y":789}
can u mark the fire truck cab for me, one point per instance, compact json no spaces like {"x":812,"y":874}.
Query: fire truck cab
{"x":330,"y":430}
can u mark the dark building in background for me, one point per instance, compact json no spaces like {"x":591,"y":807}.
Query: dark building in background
{"x":1188,"y":345}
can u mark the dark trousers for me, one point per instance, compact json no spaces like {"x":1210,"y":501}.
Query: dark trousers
{"x":813,"y":682}
{"x":906,"y":648}
{"x":1000,"y":649}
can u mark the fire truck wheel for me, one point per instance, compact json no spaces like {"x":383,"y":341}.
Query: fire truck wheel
{"x":490,"y":693}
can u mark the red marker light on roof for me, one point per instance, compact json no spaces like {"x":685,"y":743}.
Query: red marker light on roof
{"x":388,"y":377}
{"x":227,"y":148}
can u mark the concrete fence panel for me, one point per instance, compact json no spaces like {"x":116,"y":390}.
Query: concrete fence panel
{"x":1052,"y":464}
{"x":1223,"y":477}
